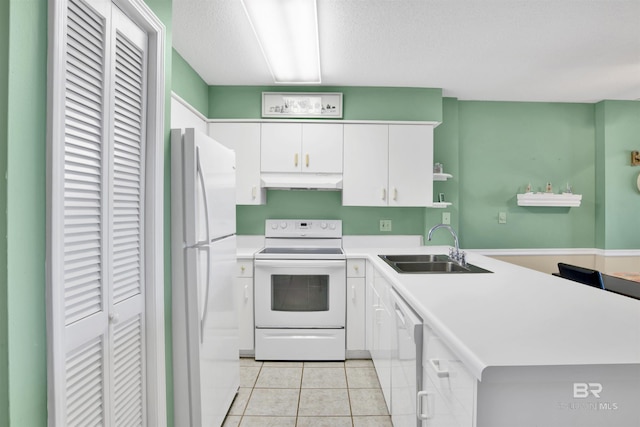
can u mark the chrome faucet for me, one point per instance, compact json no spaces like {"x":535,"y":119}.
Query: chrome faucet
{"x":454,"y":254}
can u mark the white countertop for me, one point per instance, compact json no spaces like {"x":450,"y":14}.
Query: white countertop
{"x":248,"y":245}
{"x":516,"y":316}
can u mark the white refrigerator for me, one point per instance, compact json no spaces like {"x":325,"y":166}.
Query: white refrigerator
{"x":206,"y":367}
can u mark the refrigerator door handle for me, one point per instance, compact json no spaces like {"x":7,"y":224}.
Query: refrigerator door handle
{"x":204,"y":193}
{"x":205,"y":307}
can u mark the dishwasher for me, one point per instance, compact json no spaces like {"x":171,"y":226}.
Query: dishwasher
{"x":406,"y":364}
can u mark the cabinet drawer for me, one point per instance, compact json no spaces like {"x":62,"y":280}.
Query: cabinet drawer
{"x":244,"y":268}
{"x":450,"y":377}
{"x":355,"y":267}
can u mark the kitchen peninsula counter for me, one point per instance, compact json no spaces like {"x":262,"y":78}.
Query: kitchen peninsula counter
{"x":525,"y":348}
{"x":514,"y":316}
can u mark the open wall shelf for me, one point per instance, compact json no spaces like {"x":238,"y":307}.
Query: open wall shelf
{"x":442,"y":176}
{"x":550,"y":199}
{"x":440,"y":205}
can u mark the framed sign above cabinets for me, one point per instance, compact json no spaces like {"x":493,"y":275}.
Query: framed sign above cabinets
{"x":302,"y":105}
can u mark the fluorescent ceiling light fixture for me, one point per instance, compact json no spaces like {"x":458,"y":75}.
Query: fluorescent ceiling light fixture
{"x":287,"y":31}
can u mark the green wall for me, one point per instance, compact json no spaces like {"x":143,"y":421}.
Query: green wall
{"x":493,"y":150}
{"x":23,"y":100}
{"x":325,"y":205}
{"x":506,"y":145}
{"x":25,"y":388}
{"x":188,"y":84}
{"x":359,"y":103}
{"x":4,"y":309}
{"x":618,"y":198}
{"x":446,"y":151}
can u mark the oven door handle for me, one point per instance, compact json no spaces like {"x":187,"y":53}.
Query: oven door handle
{"x":296,"y":263}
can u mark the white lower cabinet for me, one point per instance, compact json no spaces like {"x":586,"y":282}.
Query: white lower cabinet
{"x":356,"y":305}
{"x":380,"y":322}
{"x":447,"y":395}
{"x":381,"y":354}
{"x":449,"y":389}
{"x":244,"y":303}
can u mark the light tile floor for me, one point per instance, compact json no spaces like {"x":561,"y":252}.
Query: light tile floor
{"x":308,"y":394}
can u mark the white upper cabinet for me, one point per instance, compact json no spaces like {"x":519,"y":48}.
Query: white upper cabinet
{"x":280,"y":147}
{"x":366,"y":165}
{"x":388,"y":165}
{"x":322,"y":147}
{"x":410,"y":165}
{"x":244,"y":139}
{"x":301,"y":147}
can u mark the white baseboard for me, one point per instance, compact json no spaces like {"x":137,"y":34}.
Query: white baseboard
{"x":558,"y":251}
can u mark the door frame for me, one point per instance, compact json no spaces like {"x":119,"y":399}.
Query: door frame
{"x":144,"y":17}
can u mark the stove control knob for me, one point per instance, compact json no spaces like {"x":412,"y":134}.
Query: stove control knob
{"x":283,"y":225}
{"x":274,"y":225}
{"x":323,"y":225}
{"x":332,"y":226}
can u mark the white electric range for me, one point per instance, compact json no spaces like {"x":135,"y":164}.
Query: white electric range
{"x":300,"y":291}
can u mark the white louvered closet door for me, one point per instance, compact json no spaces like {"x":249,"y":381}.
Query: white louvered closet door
{"x":127,"y":223}
{"x":101,"y":310}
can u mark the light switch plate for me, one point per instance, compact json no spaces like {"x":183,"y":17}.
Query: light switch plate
{"x":385,"y":225}
{"x":502,"y":217}
{"x":446,"y":217}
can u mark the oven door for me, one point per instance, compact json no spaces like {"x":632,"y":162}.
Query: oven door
{"x":300,"y":293}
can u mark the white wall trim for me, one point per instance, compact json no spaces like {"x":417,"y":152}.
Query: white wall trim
{"x":617,"y":252}
{"x":558,"y":251}
{"x":371,"y":122}
{"x":54,"y":208}
{"x":192,"y":109}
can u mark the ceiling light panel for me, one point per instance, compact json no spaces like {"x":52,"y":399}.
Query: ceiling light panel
{"x":287,"y":31}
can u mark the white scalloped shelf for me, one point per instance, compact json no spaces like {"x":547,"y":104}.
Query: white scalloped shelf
{"x":440,"y":204}
{"x":550,"y":199}
{"x":441,"y":176}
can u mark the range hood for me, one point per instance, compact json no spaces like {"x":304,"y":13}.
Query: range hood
{"x":302,"y":181}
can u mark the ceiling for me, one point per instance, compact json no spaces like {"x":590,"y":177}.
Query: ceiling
{"x":506,"y":50}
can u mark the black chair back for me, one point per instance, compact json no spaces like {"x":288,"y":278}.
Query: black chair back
{"x":582,"y":275}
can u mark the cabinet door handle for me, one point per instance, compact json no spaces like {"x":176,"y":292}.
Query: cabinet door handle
{"x":306,"y":159}
{"x":246,"y":292}
{"x":420,"y":413}
{"x":384,"y":194}
{"x":435,"y":364}
{"x":254,"y":192}
{"x":395,"y":194}
{"x":353,"y":293}
{"x":295,"y":160}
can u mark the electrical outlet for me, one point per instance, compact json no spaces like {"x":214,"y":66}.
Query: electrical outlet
{"x":502,"y":217}
{"x":385,"y":225}
{"x":446,"y":217}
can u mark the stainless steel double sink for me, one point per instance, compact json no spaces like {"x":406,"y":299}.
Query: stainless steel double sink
{"x":429,"y":264}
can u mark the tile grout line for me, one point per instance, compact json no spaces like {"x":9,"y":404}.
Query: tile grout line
{"x":299,"y":394}
{"x":345,"y":369}
{"x":346,"y":380}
